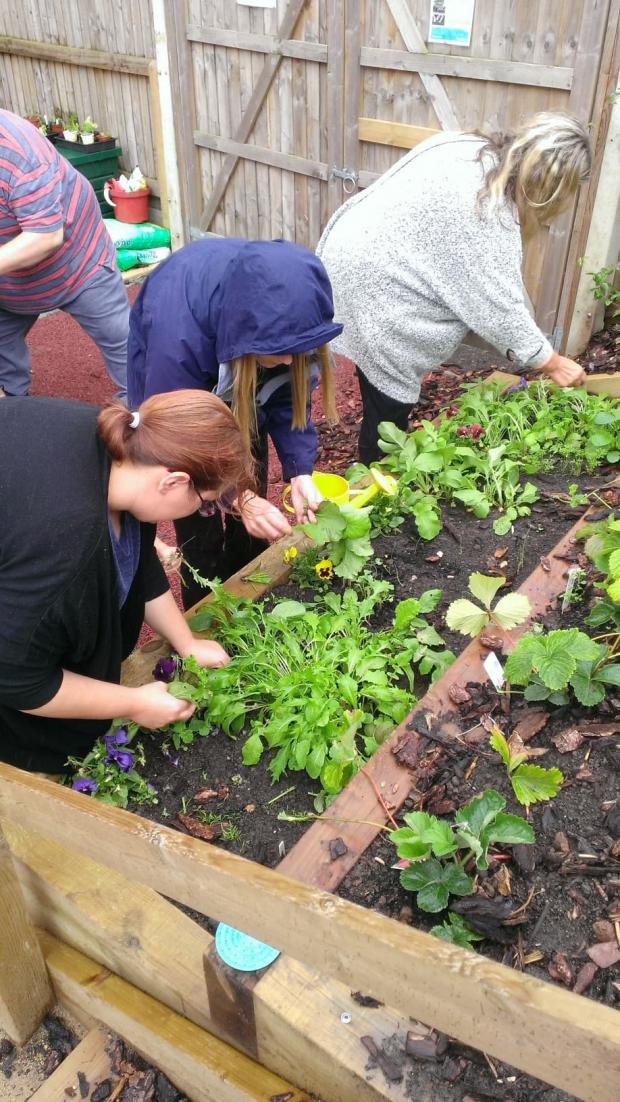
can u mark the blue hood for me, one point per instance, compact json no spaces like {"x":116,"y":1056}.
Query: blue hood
{"x":273,"y":297}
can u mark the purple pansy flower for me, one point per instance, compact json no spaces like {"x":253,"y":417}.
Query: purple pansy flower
{"x":116,"y":739}
{"x":122,"y":758}
{"x":521,"y":385}
{"x":165,"y":669}
{"x":86,"y":785}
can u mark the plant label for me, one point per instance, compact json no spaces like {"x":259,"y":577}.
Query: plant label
{"x":494,"y":671}
{"x":574,"y":574}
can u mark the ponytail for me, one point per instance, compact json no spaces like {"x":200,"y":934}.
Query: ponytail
{"x":183,"y":430}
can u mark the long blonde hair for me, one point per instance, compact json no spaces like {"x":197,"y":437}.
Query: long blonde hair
{"x":538,"y":168}
{"x":245,"y":370}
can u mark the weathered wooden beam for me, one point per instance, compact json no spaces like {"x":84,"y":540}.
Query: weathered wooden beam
{"x":401,"y":134}
{"x":410,"y":34}
{"x":258,"y":43}
{"x":273,"y":157}
{"x":25,"y":992}
{"x":122,"y":924}
{"x":90,"y":1057}
{"x":200,"y":1065}
{"x":532,"y":1025}
{"x":496,"y":70}
{"x":144,"y":939}
{"x":292,"y":12}
{"x":75,"y":55}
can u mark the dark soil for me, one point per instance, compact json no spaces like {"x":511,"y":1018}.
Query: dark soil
{"x":252,"y":803}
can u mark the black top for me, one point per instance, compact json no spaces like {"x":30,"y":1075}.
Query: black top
{"x":59,"y":601}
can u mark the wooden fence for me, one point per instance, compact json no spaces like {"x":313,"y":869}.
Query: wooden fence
{"x":273,"y":115}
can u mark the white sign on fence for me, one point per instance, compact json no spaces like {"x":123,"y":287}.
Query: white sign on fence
{"x":451,"y":21}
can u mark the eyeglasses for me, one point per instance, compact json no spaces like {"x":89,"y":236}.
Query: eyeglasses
{"x":209,"y":506}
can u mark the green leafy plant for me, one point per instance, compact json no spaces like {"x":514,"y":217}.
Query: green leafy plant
{"x":109,"y":772}
{"x":309,"y":681}
{"x":440,"y":851}
{"x":555,"y":664}
{"x":88,"y":126}
{"x":604,"y":289}
{"x":344,"y":532}
{"x":488,"y":441}
{"x":455,"y":930}
{"x":530,"y":783}
{"x":469,"y":619}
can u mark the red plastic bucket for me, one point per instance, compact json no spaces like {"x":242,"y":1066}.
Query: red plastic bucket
{"x":129,"y":206}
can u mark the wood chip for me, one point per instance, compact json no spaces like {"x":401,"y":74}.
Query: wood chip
{"x":531,"y":723}
{"x":205,"y":794}
{"x":337,"y":848}
{"x":559,"y":969}
{"x":585,"y":976}
{"x":603,"y":930}
{"x":458,"y":694}
{"x":605,"y":953}
{"x":499,"y":552}
{"x":584,"y":774}
{"x":544,"y":562}
{"x":491,"y":640}
{"x":533,"y":956}
{"x":568,"y":740}
{"x":208,"y":832}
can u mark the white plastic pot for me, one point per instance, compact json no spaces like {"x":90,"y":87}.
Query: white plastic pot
{"x":70,"y":135}
{"x":88,"y":139}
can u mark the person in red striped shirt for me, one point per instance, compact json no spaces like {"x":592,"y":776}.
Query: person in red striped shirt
{"x":55,"y":253}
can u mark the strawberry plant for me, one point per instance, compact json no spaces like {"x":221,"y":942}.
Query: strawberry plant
{"x":440,"y":852}
{"x":469,"y":619}
{"x":555,"y":665}
{"x":530,"y":783}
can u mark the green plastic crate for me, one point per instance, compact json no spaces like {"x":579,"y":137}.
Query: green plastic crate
{"x":103,"y":164}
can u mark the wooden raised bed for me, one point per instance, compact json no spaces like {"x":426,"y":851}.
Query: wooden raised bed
{"x":289,"y":1018}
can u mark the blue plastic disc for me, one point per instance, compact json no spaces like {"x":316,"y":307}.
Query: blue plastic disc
{"x":242,"y":951}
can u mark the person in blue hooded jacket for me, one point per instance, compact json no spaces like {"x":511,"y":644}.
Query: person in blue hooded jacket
{"x":240,"y":318}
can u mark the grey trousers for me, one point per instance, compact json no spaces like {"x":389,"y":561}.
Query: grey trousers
{"x":100,"y":306}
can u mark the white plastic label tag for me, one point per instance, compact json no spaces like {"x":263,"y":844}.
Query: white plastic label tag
{"x":494,"y":670}
{"x":573,"y":575}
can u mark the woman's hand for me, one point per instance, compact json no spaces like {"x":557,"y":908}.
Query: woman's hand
{"x":562,"y":371}
{"x":207,"y":652}
{"x":305,"y":498}
{"x":155,"y":707}
{"x":262,"y":519}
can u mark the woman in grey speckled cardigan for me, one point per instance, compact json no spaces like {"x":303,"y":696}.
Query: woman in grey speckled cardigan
{"x":433,"y":249}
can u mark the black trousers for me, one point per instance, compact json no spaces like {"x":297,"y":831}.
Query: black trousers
{"x":219,"y":545}
{"x":377,"y":407}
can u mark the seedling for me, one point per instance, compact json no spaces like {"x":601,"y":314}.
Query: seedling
{"x":530,"y":783}
{"x":468,"y":619}
{"x":455,"y":930}
{"x":433,"y":846}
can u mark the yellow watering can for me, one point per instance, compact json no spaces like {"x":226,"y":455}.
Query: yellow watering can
{"x":382,"y":483}
{"x":334,"y":488}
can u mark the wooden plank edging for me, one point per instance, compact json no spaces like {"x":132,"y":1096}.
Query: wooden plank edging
{"x":532,"y":1025}
{"x":199,"y":1064}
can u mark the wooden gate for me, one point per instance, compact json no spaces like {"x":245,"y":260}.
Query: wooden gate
{"x":282,"y":111}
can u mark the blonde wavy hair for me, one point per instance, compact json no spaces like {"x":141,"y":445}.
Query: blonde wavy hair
{"x":538,"y":168}
{"x":245,"y":371}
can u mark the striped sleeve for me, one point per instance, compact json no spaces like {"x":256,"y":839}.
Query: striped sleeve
{"x":35,"y":199}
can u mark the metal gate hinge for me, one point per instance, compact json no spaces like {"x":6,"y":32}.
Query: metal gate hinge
{"x":348,"y":177}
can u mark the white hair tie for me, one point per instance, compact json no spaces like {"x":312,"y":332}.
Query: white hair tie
{"x":135,"y":420}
